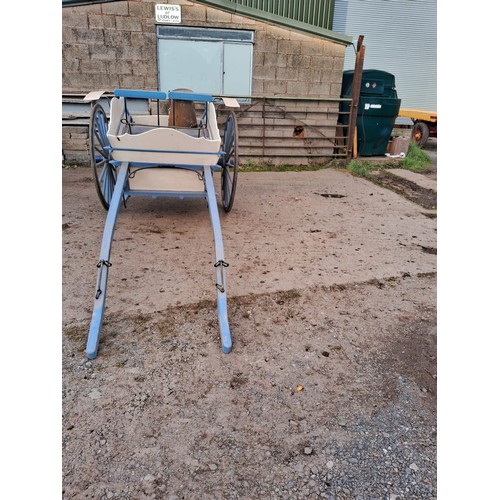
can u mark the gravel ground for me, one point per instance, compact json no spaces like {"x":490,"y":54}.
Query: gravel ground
{"x":330,"y":391}
{"x":338,"y":402}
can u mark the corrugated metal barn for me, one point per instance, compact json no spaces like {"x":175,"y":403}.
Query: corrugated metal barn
{"x":400,"y":38}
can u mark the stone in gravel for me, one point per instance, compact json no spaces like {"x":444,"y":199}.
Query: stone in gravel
{"x":298,"y":468}
{"x":94,"y":394}
{"x":308,"y":450}
{"x":329,"y":464}
{"x":414,"y":467}
{"x":212,"y":467}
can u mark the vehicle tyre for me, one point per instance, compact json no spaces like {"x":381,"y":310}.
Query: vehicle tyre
{"x":229,"y":162}
{"x":104,"y":172}
{"x":420,"y":134}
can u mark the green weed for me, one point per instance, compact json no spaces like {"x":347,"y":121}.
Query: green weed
{"x":362,"y":169}
{"x":268,"y":167}
{"x":416,"y":160}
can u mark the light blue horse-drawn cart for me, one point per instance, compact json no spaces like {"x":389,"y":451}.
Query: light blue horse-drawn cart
{"x":161,"y":155}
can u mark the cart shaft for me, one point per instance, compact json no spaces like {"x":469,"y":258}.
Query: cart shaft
{"x":104,"y":263}
{"x":220,"y":264}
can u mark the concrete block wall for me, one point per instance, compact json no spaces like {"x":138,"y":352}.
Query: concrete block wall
{"x":110,"y":45}
{"x":75,"y":144}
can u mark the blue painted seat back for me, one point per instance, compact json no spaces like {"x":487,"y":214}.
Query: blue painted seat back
{"x":156,"y":94}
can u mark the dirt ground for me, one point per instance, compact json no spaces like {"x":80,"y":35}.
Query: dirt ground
{"x":330,"y":390}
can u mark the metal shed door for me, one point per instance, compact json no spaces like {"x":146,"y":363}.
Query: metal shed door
{"x":213,"y":61}
{"x":195,"y":65}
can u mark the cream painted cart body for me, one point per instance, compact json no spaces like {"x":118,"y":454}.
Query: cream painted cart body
{"x":152,"y":155}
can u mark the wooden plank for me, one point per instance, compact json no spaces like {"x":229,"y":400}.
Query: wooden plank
{"x":355,"y":145}
{"x":356,"y":86}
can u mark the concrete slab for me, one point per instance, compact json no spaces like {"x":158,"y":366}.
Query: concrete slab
{"x":287,"y":230}
{"x":419,"y":179}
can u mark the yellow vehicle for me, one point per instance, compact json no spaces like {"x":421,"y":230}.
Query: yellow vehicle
{"x":424,"y":124}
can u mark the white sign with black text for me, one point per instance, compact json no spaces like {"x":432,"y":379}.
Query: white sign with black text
{"x":170,"y":14}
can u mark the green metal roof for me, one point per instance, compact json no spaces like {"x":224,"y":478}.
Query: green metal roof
{"x":266,"y":13}
{"x":316,"y":12}
{"x":75,"y":3}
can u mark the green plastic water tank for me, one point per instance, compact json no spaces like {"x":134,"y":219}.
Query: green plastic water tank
{"x":377,"y":110}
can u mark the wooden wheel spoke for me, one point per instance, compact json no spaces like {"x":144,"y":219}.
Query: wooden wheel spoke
{"x":228,"y":177}
{"x":101,"y":152}
{"x":100,"y":163}
{"x":230,"y":153}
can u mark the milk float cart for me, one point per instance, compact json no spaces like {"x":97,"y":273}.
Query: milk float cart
{"x":161,"y":155}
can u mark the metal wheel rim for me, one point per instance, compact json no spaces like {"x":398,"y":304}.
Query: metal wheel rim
{"x":229,"y":174}
{"x":104,"y":172}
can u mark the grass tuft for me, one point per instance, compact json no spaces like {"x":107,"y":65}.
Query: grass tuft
{"x":269,"y":167}
{"x":362,"y":169}
{"x":416,"y":160}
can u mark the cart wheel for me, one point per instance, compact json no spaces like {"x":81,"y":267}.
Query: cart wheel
{"x":420,"y":134}
{"x":229,"y":162}
{"x":104,"y":172}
